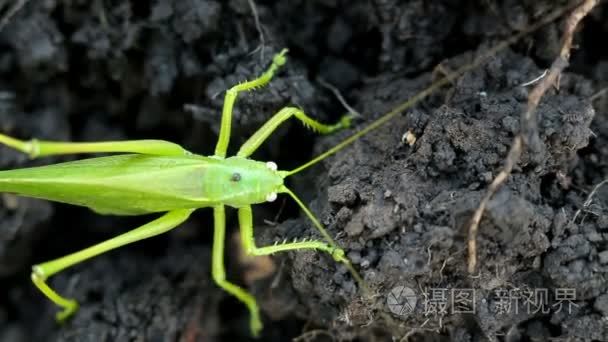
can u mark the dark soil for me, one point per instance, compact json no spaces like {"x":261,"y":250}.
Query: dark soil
{"x":102,"y":70}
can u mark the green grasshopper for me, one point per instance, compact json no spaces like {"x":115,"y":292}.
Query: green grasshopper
{"x":156,"y":176}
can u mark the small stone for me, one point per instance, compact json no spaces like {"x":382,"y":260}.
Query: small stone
{"x":487,"y":177}
{"x":10,"y":201}
{"x":343,"y":216}
{"x":594,"y":237}
{"x":355,"y":226}
{"x":601,"y":304}
{"x":354,"y":257}
{"x":344,"y":194}
{"x":603,"y":256}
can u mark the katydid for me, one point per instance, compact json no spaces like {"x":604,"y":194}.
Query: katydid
{"x":155,"y":176}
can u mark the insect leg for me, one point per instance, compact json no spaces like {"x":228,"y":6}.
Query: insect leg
{"x":264,"y":132}
{"x":41,"y":272}
{"x":248,"y":241}
{"x":219,"y":274}
{"x":40,"y":148}
{"x":224,"y":137}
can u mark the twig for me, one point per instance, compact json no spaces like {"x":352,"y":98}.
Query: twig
{"x":258,"y":27}
{"x":589,"y":199}
{"x":528,"y":135}
{"x":414,"y":330}
{"x":599,"y":94}
{"x":313,"y":334}
{"x":11,"y":12}
{"x":536,"y":79}
{"x":339,"y":96}
{"x":276,"y":217}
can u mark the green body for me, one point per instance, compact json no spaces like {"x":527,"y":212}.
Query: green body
{"x":134,"y":184}
{"x":156,"y":176}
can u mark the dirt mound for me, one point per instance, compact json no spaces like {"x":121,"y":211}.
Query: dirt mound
{"x":398,"y":200}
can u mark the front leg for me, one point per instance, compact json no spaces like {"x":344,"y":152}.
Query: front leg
{"x":219,"y":273}
{"x":338,"y":254}
{"x":224,"y":138}
{"x":248,"y":241}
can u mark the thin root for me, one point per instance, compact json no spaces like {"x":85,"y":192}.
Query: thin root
{"x":312,"y":335}
{"x":529,"y":83}
{"x":528,"y":136}
{"x":599,"y":94}
{"x":258,"y":27}
{"x":339,"y":96}
{"x":589,"y":199}
{"x":11,"y":12}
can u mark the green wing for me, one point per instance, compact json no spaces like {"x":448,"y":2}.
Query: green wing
{"x":128,"y":184}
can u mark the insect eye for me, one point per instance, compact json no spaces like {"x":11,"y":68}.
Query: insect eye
{"x":272,"y":165}
{"x":235,"y":177}
{"x":271,"y":197}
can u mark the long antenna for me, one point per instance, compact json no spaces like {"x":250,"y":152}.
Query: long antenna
{"x":433,"y":87}
{"x":328,"y":239}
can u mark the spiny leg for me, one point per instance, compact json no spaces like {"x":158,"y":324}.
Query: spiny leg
{"x":41,"y":272}
{"x":219,"y":274}
{"x":264,"y":132}
{"x":248,"y":241}
{"x":224,"y":137}
{"x":40,"y":148}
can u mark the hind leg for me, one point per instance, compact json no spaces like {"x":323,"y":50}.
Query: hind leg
{"x":41,"y":272}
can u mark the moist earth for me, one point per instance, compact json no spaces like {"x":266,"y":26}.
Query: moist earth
{"x":398,"y":200}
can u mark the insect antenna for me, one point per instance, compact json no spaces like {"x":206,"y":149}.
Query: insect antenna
{"x":337,"y":256}
{"x":450,"y":77}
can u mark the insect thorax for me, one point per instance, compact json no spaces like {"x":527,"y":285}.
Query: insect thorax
{"x":239,"y":181}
